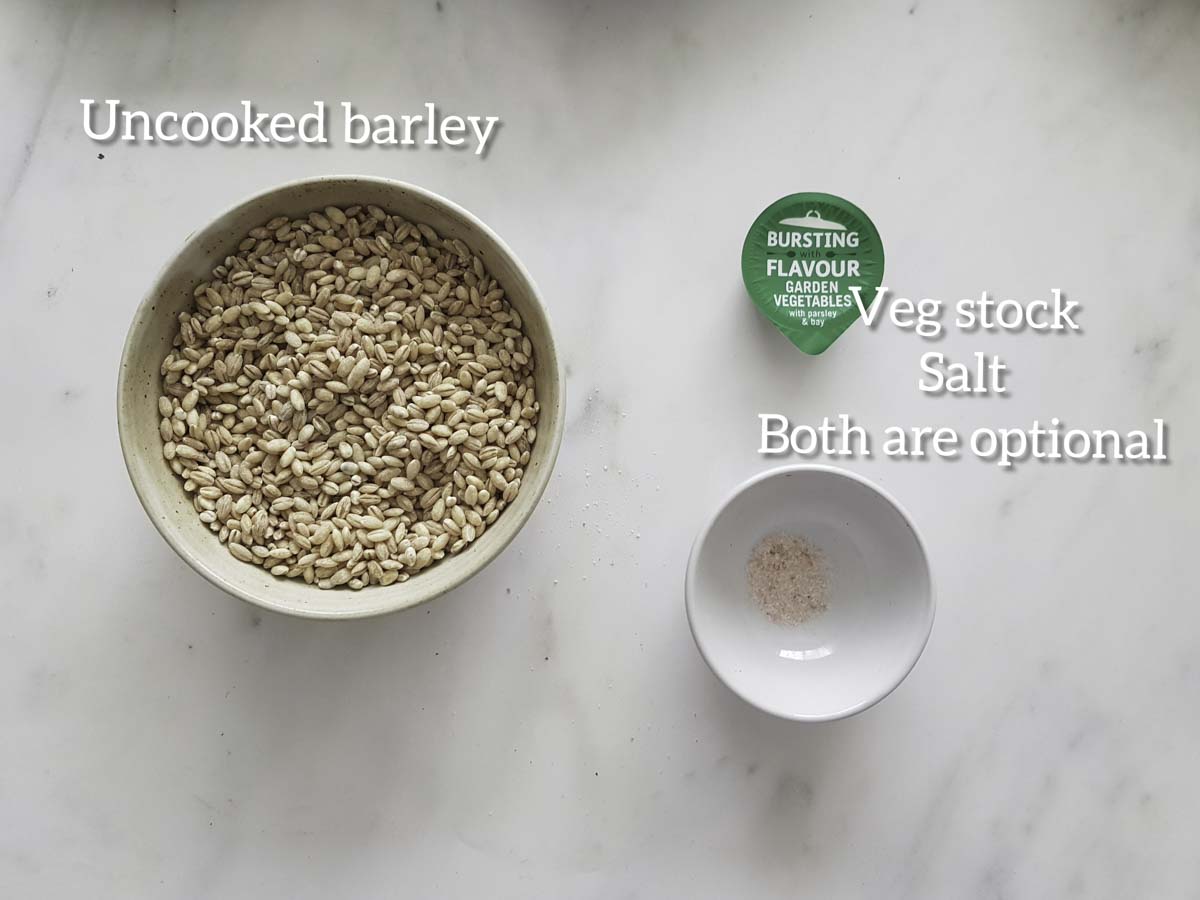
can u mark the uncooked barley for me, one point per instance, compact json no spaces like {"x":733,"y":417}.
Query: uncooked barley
{"x":349,"y":399}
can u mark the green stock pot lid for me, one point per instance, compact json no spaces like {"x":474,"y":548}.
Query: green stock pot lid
{"x":803,"y":259}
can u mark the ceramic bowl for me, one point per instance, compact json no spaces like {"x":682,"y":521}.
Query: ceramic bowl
{"x":880,"y":605}
{"x":149,"y":339}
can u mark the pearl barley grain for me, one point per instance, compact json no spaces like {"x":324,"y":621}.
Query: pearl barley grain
{"x":341,"y":392}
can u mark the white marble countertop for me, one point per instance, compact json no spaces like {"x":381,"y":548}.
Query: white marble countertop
{"x":549,"y":729}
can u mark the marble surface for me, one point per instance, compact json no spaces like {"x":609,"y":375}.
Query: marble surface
{"x":549,"y":729}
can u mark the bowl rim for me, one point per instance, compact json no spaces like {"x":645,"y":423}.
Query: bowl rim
{"x":690,"y":589}
{"x":128,"y":452}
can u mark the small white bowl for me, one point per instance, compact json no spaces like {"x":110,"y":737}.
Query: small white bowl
{"x":881,"y":604}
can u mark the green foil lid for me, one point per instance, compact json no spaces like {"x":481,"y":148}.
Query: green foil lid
{"x":802,"y":256}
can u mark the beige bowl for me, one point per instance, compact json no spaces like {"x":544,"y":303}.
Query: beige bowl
{"x":154,"y":327}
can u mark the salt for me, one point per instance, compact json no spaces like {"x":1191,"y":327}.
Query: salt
{"x":788,"y":578}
